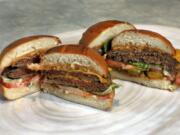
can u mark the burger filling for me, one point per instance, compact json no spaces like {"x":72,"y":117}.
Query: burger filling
{"x":18,"y":74}
{"x":87,"y":82}
{"x":76,"y":76}
{"x":143,"y":61}
{"x":105,"y":48}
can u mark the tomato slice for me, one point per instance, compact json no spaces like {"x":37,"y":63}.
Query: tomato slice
{"x":1,"y":81}
{"x":177,"y":81}
{"x":12,"y":85}
{"x":23,"y":83}
{"x":114,"y":64}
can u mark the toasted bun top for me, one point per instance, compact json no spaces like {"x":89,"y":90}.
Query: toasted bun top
{"x":143,"y":37}
{"x":100,"y":32}
{"x":26,"y":45}
{"x":76,"y":54}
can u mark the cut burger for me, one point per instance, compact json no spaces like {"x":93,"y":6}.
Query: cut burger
{"x":144,"y":57}
{"x":16,"y":79}
{"x":99,"y":36}
{"x":140,"y":56}
{"x":77,"y":74}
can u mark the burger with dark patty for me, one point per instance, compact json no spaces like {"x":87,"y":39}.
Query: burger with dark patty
{"x":144,"y":57}
{"x":140,"y":56}
{"x":16,"y":79}
{"x":77,"y":74}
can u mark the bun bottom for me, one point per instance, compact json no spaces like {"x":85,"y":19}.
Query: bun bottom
{"x":82,"y":97}
{"x":161,"y":84}
{"x":16,"y":93}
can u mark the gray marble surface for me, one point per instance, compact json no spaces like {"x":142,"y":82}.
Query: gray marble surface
{"x":20,"y":18}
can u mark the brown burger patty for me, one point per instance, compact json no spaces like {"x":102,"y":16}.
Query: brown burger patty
{"x":79,"y":80}
{"x":16,"y":73}
{"x":145,"y":55}
{"x":79,"y":75}
{"x":27,"y":60}
{"x":84,"y":85}
{"x":19,"y":69}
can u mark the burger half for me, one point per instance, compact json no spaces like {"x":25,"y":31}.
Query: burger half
{"x":140,"y":56}
{"x":144,"y":57}
{"x":16,"y":80}
{"x":77,"y":74}
{"x":100,"y":35}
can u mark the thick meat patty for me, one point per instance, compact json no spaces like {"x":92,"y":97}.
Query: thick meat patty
{"x":146,"y":55}
{"x":19,"y":69}
{"x":15,"y":73}
{"x":87,"y":82}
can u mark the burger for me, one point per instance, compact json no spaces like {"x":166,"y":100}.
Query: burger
{"x":99,"y":36}
{"x":16,"y":79}
{"x":77,"y":74}
{"x":144,"y":57}
{"x":140,"y":56}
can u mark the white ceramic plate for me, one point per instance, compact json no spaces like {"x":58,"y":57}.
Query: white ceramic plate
{"x":137,"y":110}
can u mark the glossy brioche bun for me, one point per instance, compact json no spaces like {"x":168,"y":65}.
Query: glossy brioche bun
{"x":97,"y":34}
{"x":143,"y":37}
{"x":24,"y":46}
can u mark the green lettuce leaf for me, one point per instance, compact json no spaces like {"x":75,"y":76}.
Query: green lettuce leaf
{"x":106,"y":46}
{"x":141,"y":65}
{"x":112,"y":87}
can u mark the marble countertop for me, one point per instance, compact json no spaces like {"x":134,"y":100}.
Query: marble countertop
{"x":20,"y":18}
